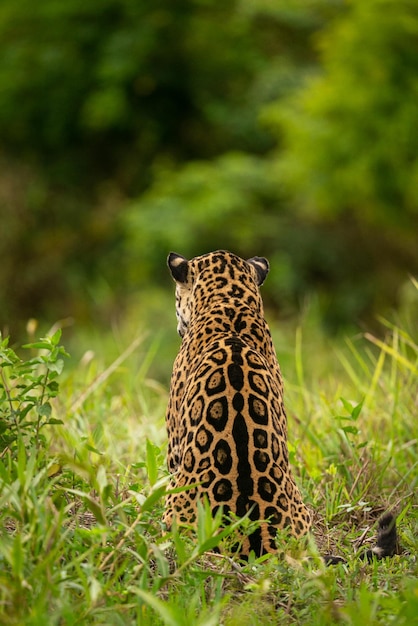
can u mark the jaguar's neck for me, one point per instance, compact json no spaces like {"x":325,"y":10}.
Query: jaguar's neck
{"x":226,"y":317}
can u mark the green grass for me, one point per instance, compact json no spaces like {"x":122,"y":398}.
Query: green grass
{"x":81,"y":502}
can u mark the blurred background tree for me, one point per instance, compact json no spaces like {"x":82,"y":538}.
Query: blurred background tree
{"x":129,"y":128}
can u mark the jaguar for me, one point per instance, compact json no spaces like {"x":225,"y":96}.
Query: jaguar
{"x":226,"y":420}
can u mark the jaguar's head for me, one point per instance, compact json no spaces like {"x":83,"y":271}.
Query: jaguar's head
{"x":220,"y":273}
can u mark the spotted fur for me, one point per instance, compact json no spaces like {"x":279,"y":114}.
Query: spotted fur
{"x":226,"y":421}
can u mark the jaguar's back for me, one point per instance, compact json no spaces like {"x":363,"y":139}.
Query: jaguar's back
{"x":226,"y":421}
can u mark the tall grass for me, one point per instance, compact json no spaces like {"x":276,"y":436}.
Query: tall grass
{"x":81,"y":501}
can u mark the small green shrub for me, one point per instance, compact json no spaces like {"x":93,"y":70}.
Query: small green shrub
{"x":26,"y":390}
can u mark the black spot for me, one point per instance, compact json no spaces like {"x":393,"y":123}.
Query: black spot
{"x":236,"y":292}
{"x":204,"y":371}
{"x":258,"y":383}
{"x":275,"y":446}
{"x":289,"y":488}
{"x":261,"y":460}
{"x":272,"y":530}
{"x":207,"y":478}
{"x":219,"y":258}
{"x":215,"y":382}
{"x":239,"y":323}
{"x":217,"y":413}
{"x":260,"y":438}
{"x":245,"y":505}
{"x":238,"y":402}
{"x":173,"y":464}
{"x":266,"y":488}
{"x":221,"y":282}
{"x":255,"y":361}
{"x":276,"y":474}
{"x":219,"y":357}
{"x":254,"y":509}
{"x":277,"y":426}
{"x":283,"y":502}
{"x":203,"y":439}
{"x":182,"y":430}
{"x":236,"y":376}
{"x":257,"y":332}
{"x":196,"y":410}
{"x":241,"y":507}
{"x":237,"y":346}
{"x":285,"y":454}
{"x":222,"y":490}
{"x":256,"y":542}
{"x":240,"y":434}
{"x":189,"y":460}
{"x":204,"y":463}
{"x":273,"y":515}
{"x":257,"y":409}
{"x":222,"y":457}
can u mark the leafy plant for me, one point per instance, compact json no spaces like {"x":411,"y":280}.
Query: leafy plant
{"x":26,"y":390}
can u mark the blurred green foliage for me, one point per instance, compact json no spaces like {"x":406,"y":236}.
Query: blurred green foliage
{"x":351,"y":133}
{"x":129,"y":128}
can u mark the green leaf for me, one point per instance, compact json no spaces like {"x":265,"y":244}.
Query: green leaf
{"x":357,"y":410}
{"x":38,"y":345}
{"x":56,"y":367}
{"x":54,"y":469}
{"x":350,"y":429}
{"x":151,"y":460}
{"x":53,"y":387}
{"x":156,"y":494}
{"x":347,"y":405}
{"x":92,"y":449}
{"x":55,"y":338}
{"x":44,"y":410}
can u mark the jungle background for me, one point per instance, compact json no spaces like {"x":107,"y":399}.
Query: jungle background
{"x":128,"y":128}
{"x":131,"y":128}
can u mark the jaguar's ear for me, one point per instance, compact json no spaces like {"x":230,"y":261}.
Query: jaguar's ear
{"x":178,"y":266}
{"x":261,"y":266}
